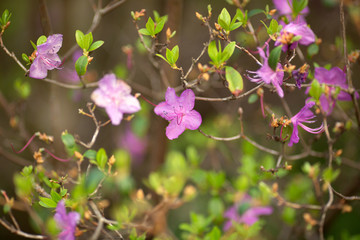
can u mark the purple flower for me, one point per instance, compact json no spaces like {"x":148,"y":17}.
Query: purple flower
{"x":134,"y":144}
{"x":179,"y":111}
{"x":243,"y":212}
{"x":115,"y":96}
{"x":284,"y":7}
{"x":300,"y":75}
{"x":66,"y":221}
{"x":292,"y":30}
{"x":68,"y":73}
{"x":46,"y":57}
{"x":335,"y":77}
{"x":267,"y":75}
{"x":305,"y":115}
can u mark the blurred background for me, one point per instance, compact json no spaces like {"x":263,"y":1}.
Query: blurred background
{"x":31,"y":105}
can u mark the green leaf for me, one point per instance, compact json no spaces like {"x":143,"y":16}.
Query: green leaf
{"x":63,"y":192}
{"x":101,"y":158}
{"x":253,"y":98}
{"x":47,"y":202}
{"x":5,"y":17}
{"x":150,"y":26}
{"x":216,"y":207}
{"x":254,"y":12}
{"x":79,"y":36}
{"x":55,"y":196}
{"x":234,"y":80}
{"x":161,"y":56}
{"x":228,"y":52}
{"x":26,"y":171}
{"x":90,"y":154}
{"x":25,"y":58}
{"x":312,"y":50}
{"x":81,"y":65}
{"x":330,"y":175}
{"x":298,"y":6}
{"x":235,"y":26}
{"x":42,"y":39}
{"x":160,"y":24}
{"x":224,"y":19}
{"x":274,"y":57}
{"x":68,"y":140}
{"x":213,"y":52}
{"x":215,"y":234}
{"x":33,"y":45}
{"x":169,"y":56}
{"x":144,"y":31}
{"x":23,"y":88}
{"x":315,"y":89}
{"x":96,"y":45}
{"x":87,"y":41}
{"x":175,"y":52}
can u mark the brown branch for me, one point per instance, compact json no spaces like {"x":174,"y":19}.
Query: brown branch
{"x":347,"y":65}
{"x":19,"y":232}
{"x":348,"y":198}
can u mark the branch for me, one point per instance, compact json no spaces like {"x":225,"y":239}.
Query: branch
{"x":19,"y":232}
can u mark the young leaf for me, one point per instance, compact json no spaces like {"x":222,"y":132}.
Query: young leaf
{"x":33,"y":45}
{"x":160,"y":24}
{"x":79,"y":36}
{"x":213,"y":52}
{"x":25,"y":58}
{"x":175,"y":52}
{"x":47,"y":202}
{"x":228,"y":52}
{"x":274,"y":57}
{"x":150,"y":26}
{"x":87,"y":41}
{"x":95,"y":45}
{"x":315,"y":89}
{"x":144,"y":31}
{"x":42,"y":39}
{"x":161,"y":56}
{"x":90,"y":154}
{"x":298,"y":6}
{"x":169,"y":56}
{"x":81,"y":65}
{"x":101,"y":158}
{"x":224,"y":19}
{"x":68,"y":140}
{"x":55,"y":196}
{"x":234,"y":79}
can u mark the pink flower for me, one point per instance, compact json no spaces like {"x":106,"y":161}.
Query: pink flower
{"x":115,"y":96}
{"x":243,"y":212}
{"x":305,"y":115}
{"x":66,"y":221}
{"x":46,"y":57}
{"x":336,"y":77}
{"x":179,"y":111}
{"x":291,"y":30}
{"x":267,"y":75}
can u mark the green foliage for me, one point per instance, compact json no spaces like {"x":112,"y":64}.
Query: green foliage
{"x":274,"y":57}
{"x":5,"y":18}
{"x":315,"y":90}
{"x":274,"y":29}
{"x":298,"y":6}
{"x":234,"y":80}
{"x":69,"y":142}
{"x":42,"y":39}
{"x":218,"y":56}
{"x":101,"y":158}
{"x":152,"y":28}
{"x":171,"y":56}
{"x":228,"y":24}
{"x":47,"y":202}
{"x":81,"y":65}
{"x":198,"y":225}
{"x":312,"y":50}
{"x":23,"y":88}
{"x":330,"y":174}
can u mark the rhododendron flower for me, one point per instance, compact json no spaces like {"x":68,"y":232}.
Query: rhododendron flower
{"x":66,"y":221}
{"x":300,"y":75}
{"x":305,"y":115}
{"x":244,"y":212}
{"x":135,"y":144}
{"x":267,"y":75}
{"x":179,"y":111}
{"x":115,"y":96}
{"x":336,"y":77}
{"x":292,"y":30}
{"x":46,"y":57}
{"x":284,"y":7}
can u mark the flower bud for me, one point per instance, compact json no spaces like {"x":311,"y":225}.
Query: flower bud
{"x":199,"y":16}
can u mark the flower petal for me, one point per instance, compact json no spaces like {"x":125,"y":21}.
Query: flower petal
{"x":100,"y":98}
{"x":173,"y":130}
{"x":170,"y":96}
{"x":187,"y":99}
{"x":165,"y":111}
{"x":294,"y":136}
{"x":38,"y":69}
{"x":114,"y":114}
{"x":52,"y":45}
{"x":192,"y":120}
{"x":130,"y":104}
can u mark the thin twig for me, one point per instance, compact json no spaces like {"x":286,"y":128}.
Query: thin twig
{"x":348,"y":198}
{"x":19,"y":232}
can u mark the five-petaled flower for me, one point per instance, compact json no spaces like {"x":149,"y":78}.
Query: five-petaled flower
{"x":267,"y":75}
{"x":66,"y":221}
{"x":336,"y":77}
{"x":115,"y":96}
{"x":179,"y":111}
{"x":290,"y":33}
{"x":46,"y":57}
{"x":245,"y":212}
{"x":305,"y":115}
